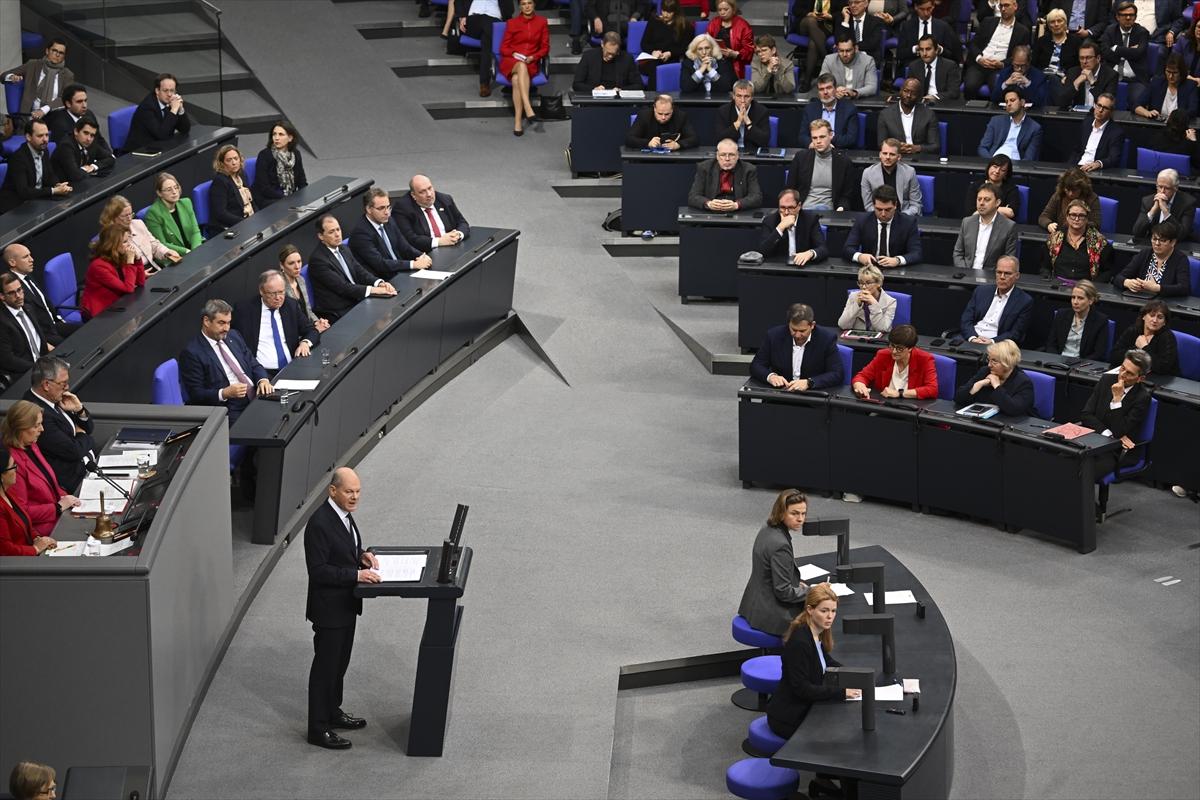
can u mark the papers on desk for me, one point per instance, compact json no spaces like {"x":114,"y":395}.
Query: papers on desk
{"x":810,"y":571}
{"x":892,"y":693}
{"x":912,"y":685}
{"x":604,"y":92}
{"x":405,"y":568}
{"x":432,"y":274}
{"x":979,"y":411}
{"x":1069,"y":430}
{"x":296,"y":385}
{"x":892,"y":598}
{"x":841,"y":589}
{"x":631,"y":94}
{"x":92,"y":487}
{"x":76,"y":548}
{"x":90,"y":506}
{"x":644,"y":56}
{"x":126,"y":458}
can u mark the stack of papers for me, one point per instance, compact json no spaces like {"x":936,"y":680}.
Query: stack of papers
{"x":296,"y":385}
{"x":408,"y":567}
{"x":892,"y":598}
{"x":810,"y":571}
{"x":431,"y":274}
{"x":893,"y":692}
{"x":126,"y":458}
{"x":92,"y":487}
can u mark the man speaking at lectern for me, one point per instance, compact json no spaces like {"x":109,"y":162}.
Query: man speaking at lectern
{"x":336,"y":562}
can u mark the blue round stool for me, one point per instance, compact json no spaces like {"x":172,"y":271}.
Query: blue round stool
{"x":761,"y":741}
{"x":757,"y":779}
{"x":753,"y":637}
{"x":760,"y":676}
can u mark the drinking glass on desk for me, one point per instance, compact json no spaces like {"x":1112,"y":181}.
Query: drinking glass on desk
{"x":143,"y":465}
{"x":326,"y":357}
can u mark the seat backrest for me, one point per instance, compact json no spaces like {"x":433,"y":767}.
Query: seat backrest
{"x":12,"y":96}
{"x":1023,"y":209}
{"x":847,"y":362}
{"x":862,"y":131}
{"x":118,"y":126}
{"x":61,"y":283}
{"x":1112,"y":336}
{"x":250,"y":167}
{"x":667,"y":77}
{"x":1194,"y":269}
{"x":701,"y":26}
{"x":3,"y":171}
{"x":200,"y":202}
{"x":1108,"y":215}
{"x":632,"y":119}
{"x":167,"y":391}
{"x":943,"y":134}
{"x":773,"y":141}
{"x":1180,"y":163}
{"x":633,"y":39}
{"x":926,"y":183}
{"x":1043,"y":394}
{"x":1189,"y":355}
{"x":1122,"y":96}
{"x":1147,"y":160}
{"x":141,"y":212}
{"x":307,"y":282}
{"x":498,"y":29}
{"x":903,"y":308}
{"x":947,"y":374}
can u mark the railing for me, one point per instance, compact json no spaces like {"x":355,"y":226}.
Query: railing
{"x":220,"y":59}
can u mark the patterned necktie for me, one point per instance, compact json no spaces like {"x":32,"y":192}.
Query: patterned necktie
{"x":232,"y":363}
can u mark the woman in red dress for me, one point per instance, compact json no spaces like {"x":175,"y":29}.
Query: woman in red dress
{"x":526,"y":41}
{"x":734,"y":34}
{"x":115,"y":271}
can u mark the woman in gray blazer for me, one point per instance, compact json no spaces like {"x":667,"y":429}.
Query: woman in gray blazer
{"x":774,"y":594}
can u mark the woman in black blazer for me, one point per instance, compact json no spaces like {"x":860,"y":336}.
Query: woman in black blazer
{"x":279,"y":170}
{"x":999,"y":382}
{"x":703,"y":56}
{"x":1089,"y":325}
{"x":1150,"y":332}
{"x":229,"y":199}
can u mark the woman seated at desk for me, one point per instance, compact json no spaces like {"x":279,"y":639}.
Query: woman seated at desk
{"x":1150,"y":332}
{"x":1074,"y":184}
{"x":150,"y":251}
{"x":290,"y":264}
{"x":1000,"y":175}
{"x":32,"y":781}
{"x":899,"y":370}
{"x":1159,"y":269}
{"x":279,"y":170}
{"x":35,"y":489}
{"x":704,"y":69}
{"x":999,"y":382}
{"x":17,"y":537}
{"x":1169,"y":91}
{"x":1079,"y":250}
{"x":115,"y":271}
{"x":774,"y":592}
{"x":171,"y":217}
{"x":870,"y":308}
{"x":1083,"y":333}
{"x":229,"y":199}
{"x":666,"y":38}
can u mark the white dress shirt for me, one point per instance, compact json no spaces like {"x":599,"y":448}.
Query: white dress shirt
{"x":899,"y":380}
{"x":997,"y":46}
{"x":797,"y":358}
{"x":989,"y":326}
{"x":906,"y":121}
{"x":229,"y":374}
{"x":344,"y":516}
{"x":1093,"y":144}
{"x":441,"y":225}
{"x":981,"y":241}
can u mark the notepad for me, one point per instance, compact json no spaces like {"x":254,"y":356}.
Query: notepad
{"x":403,"y":568}
{"x":432,"y":274}
{"x":893,"y":692}
{"x":92,"y":487}
{"x":90,"y":506}
{"x":892,"y":598}
{"x":810,"y":571}
{"x":1069,"y":430}
{"x":127,"y":458}
{"x":841,"y":589}
{"x":296,"y":385}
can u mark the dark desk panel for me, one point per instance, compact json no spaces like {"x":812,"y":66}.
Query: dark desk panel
{"x":880,"y":428}
{"x":789,"y":440}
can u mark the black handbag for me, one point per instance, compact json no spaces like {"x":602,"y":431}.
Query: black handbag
{"x":551,"y":106}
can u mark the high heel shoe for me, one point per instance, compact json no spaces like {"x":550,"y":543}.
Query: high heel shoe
{"x":518,"y":132}
{"x":536,"y":122}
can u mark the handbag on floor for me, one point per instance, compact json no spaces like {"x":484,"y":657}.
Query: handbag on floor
{"x":550,"y":106}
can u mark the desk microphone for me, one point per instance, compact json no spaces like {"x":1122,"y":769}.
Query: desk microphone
{"x":94,"y":468}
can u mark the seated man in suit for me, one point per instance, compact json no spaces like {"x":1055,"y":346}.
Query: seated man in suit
{"x":772,"y":72}
{"x":1126,"y":46}
{"x":216,"y":368}
{"x":1159,"y":269}
{"x":377,"y":243}
{"x":160,"y":117}
{"x":1101,"y":140}
{"x":273,"y":325}
{"x":910,"y":123}
{"x":606,"y":67}
{"x":21,"y":340}
{"x":339,"y":282}
{"x":923,"y":23}
{"x":43,"y":78}
{"x":994,"y":314}
{"x":865,"y":30}
{"x":883,"y":238}
{"x":792,"y":231}
{"x":66,"y":439}
{"x":661,"y":125}
{"x":823,"y":176}
{"x":1021,"y":73}
{"x":428,"y":218}
{"x":941,"y":78}
{"x":799,"y":356}
{"x":986,"y":235}
{"x":1118,"y":405}
{"x":854,"y":71}
{"x":1084,"y":83}
{"x":31,"y":174}
{"x":17,"y":258}
{"x":725,"y":183}
{"x":841,"y":115}
{"x":1167,"y":202}
{"x":742,"y":119}
{"x":891,"y":172}
{"x":75,"y":107}
{"x":992,"y":47}
{"x":1013,"y":133}
{"x":84,"y":155}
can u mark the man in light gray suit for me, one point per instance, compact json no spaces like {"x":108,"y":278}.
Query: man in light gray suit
{"x":985,"y":236}
{"x":854,"y":71}
{"x":910,"y":122}
{"x":892,"y":172}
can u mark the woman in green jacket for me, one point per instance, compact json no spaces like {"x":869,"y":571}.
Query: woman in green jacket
{"x":171,"y":217}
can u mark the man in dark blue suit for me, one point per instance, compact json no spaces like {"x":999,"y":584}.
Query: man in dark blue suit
{"x":881,"y":236}
{"x":799,"y":356}
{"x":792,"y":232}
{"x":429,"y":218}
{"x":66,"y":439}
{"x":273,"y":325}
{"x":1021,"y":73}
{"x":339,"y":281}
{"x":160,"y":117}
{"x":842,"y":115}
{"x":1100,"y":139}
{"x":1000,"y":312}
{"x":217,"y":368}
{"x":377,"y":242}
{"x":1013,"y":133}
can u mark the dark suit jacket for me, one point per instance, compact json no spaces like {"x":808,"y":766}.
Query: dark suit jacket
{"x":69,"y":158}
{"x":332,"y":557}
{"x":646,"y":127}
{"x":1135,"y":53}
{"x":1188,"y":100}
{"x":873,"y":30}
{"x":151,"y":125}
{"x":62,"y":126}
{"x":224,"y":203}
{"x":1163,"y":349}
{"x":723,"y":84}
{"x":370,"y":251}
{"x":19,"y":182}
{"x":800,"y":177}
{"x":333,"y":295}
{"x":1013,"y":320}
{"x":293,"y":322}
{"x":620,"y":73}
{"x":1029,"y":140}
{"x":808,"y":236}
{"x":44,"y":315}
{"x":845,"y":124}
{"x":822,"y":365}
{"x":1036,"y":92}
{"x":63,"y":448}
{"x":1183,"y":211}
{"x":947,"y":76}
{"x":1043,"y":49}
{"x":1068,"y":95}
{"x":706,"y":185}
{"x":1124,"y":421}
{"x":15,"y":356}
{"x":759,"y":134}
{"x":910,"y":30}
{"x":925,"y":130}
{"x":802,"y":685}
{"x":1093,"y":344}
{"x":202,"y":375}
{"x":1108,"y":151}
{"x":772,"y":596}
{"x":1176,"y":279}
{"x":266,"y":188}
{"x":904,"y":239}
{"x":1097,"y":15}
{"x":1014,"y":397}
{"x":987,"y":27}
{"x":415,"y":225}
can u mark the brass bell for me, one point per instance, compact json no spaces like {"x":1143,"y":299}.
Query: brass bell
{"x":104,"y":525}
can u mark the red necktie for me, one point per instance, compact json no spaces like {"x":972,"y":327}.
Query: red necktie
{"x":433,"y":226}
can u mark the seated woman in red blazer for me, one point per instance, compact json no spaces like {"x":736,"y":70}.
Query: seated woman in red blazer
{"x":899,"y":371}
{"x":35,"y":489}
{"x":526,"y":42}
{"x":115,"y":271}
{"x":16,"y":531}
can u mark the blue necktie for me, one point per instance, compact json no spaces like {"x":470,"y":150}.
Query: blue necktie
{"x":345,"y":269}
{"x":280,"y":350}
{"x":386,"y":243}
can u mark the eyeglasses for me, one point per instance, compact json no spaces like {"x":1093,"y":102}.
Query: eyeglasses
{"x":788,"y":209}
{"x":14,"y":292}
{"x":388,"y":207}
{"x":274,"y":294}
{"x":60,"y":384}
{"x":897,"y":348}
{"x":58,"y":51}
{"x":1076,"y":216}
{"x":866,"y":284}
{"x":1103,"y":107}
{"x":1153,"y":240}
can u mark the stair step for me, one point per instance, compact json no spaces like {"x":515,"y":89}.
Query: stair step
{"x":245,"y":109}
{"x":156,"y":31}
{"x":191,"y":67}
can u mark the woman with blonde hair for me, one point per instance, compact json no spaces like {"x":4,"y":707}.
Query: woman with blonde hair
{"x":229,"y":200}
{"x":704,"y":69}
{"x":152,"y":252}
{"x":1000,"y":382}
{"x":36,"y":488}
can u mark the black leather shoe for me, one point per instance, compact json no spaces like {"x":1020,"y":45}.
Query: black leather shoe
{"x":329,"y":740}
{"x":343,"y":720}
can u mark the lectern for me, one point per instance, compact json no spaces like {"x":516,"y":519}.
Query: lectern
{"x":435,"y":661}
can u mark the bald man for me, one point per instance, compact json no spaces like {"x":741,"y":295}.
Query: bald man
{"x":333,"y":551}
{"x":19,"y":260}
{"x":429,"y":219}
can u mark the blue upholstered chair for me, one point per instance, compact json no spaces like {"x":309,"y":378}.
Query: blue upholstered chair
{"x":847,"y":362}
{"x":118,"y":127}
{"x":1043,"y":393}
{"x":62,"y":287}
{"x":666,"y":77}
{"x":758,"y":779}
{"x":200,"y":204}
{"x":167,"y":391}
{"x":1189,"y":355}
{"x":761,"y":675}
{"x":1108,"y":215}
{"x":1143,"y":439}
{"x":761,"y":741}
{"x":926,"y":183}
{"x":1023,"y":208}
{"x":947,"y":374}
{"x":251,"y":167}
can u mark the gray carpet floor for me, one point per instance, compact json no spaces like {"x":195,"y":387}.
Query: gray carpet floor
{"x":609,"y":528}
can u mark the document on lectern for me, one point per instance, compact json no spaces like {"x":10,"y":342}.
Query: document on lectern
{"x":810,"y":571}
{"x":893,"y":598}
{"x":404,"y":568}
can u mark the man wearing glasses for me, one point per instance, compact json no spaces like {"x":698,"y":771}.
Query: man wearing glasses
{"x":1083,"y":84}
{"x":22,"y":341}
{"x":992,"y":47}
{"x":999,"y":312}
{"x":1125,"y":44}
{"x":377,"y":242}
{"x":1101,"y":139}
{"x":1167,"y":202}
{"x":44,"y":80}
{"x":273,"y":325}
{"x":794,"y":231}
{"x":66,"y":439}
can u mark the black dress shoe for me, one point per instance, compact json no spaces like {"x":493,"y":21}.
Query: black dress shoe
{"x":329,"y":740}
{"x":343,"y":720}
